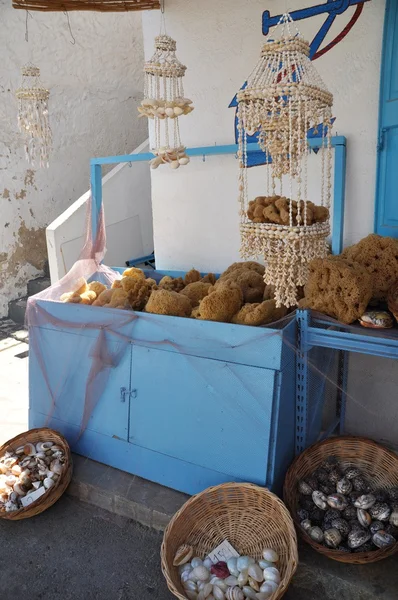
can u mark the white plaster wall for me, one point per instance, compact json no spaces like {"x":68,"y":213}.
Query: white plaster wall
{"x":95,"y":86}
{"x":195,"y":209}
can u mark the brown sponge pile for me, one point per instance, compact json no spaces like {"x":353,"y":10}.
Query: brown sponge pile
{"x":276,"y":209}
{"x":165,"y":302}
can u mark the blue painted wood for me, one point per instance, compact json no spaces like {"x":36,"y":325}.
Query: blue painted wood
{"x":96,"y":193}
{"x":214,"y":414}
{"x":386,"y":208}
{"x":340,"y":160}
{"x":254,"y":346}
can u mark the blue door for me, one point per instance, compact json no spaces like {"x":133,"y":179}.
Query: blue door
{"x":386,"y":218}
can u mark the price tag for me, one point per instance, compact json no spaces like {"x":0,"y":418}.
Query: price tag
{"x":223,"y":552}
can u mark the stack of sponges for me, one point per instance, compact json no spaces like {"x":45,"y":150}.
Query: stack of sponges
{"x":276,"y":209}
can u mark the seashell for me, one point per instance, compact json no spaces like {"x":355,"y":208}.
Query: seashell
{"x":196,"y":562}
{"x":332,"y":537}
{"x":337,"y":501}
{"x":10,"y":480}
{"x":304,"y":488}
{"x":380,"y":511}
{"x":207,"y":563}
{"x":201,"y":573}
{"x":178,"y":111}
{"x":244,"y":562}
{"x":190,"y":585}
{"x":220,"y":569}
{"x":382,"y":539}
{"x":19,"y":489}
{"x":232,"y":564}
{"x":358,"y":538}
{"x":376,"y":526}
{"x":341,"y":525}
{"x":272,"y":574}
{"x":13,"y":497}
{"x":174,"y":164}
{"x":9,"y":462}
{"x":306,"y":503}
{"x":344,"y":549}
{"x":186,"y":575}
{"x":334,"y":476}
{"x":332,"y":513}
{"x":394,"y":518}
{"x":270,"y":555}
{"x":330,"y":463}
{"x":255,"y":572}
{"x":249,"y":593}
{"x":219,"y":583}
{"x":169,"y":112}
{"x":263,"y":595}
{"x":255,"y":585}
{"x":364,"y":517}
{"x":43,"y":446}
{"x":206,"y":590}
{"x":349,"y":513}
{"x":312,"y":482}
{"x":183,"y":555}
{"x":191,"y":595}
{"x":360,"y":485}
{"x":243,"y":578}
{"x":377,"y":319}
{"x":19,"y":451}
{"x":393,"y":494}
{"x":303,"y":514}
{"x":272,"y":584}
{"x":267,"y":587}
{"x":16,"y":470}
{"x":306,"y":525}
{"x":392,"y":530}
{"x":320,"y":500}
{"x":264,"y":564}
{"x":48,"y":483}
{"x":365,"y":501}
{"x":231,"y":581}
{"x":352,"y":473}
{"x":10,"y":506}
{"x":3,"y":468}
{"x":321,"y":475}
{"x":355,"y":526}
{"x":184,"y":160}
{"x":316,"y":534}
{"x":218,"y":593}
{"x":29,"y":449}
{"x":327,"y":489}
{"x":344,"y":486}
{"x":234,"y":593}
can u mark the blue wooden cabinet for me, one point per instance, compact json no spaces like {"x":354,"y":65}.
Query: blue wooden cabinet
{"x":186,"y":403}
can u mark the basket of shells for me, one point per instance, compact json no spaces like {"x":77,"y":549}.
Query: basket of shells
{"x":251,"y":521}
{"x":343,"y":496}
{"x":35,"y":470}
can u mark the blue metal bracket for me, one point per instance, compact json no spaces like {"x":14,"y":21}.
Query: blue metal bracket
{"x":302,"y":317}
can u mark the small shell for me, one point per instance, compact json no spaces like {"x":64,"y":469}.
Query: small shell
{"x":190,"y":585}
{"x":231,"y":581}
{"x":191,"y":595}
{"x":382,"y":539}
{"x":358,"y":538}
{"x":272,"y":584}
{"x":218,"y":593}
{"x":267,"y":587}
{"x":304,"y":488}
{"x":234,"y":593}
{"x":19,"y":489}
{"x":206,"y":590}
{"x":243,"y":578}
{"x":320,"y":500}
{"x":249,"y":593}
{"x":29,"y":449}
{"x":266,"y":563}
{"x":178,"y":111}
{"x":380,"y":511}
{"x":344,"y":486}
{"x":201,"y":573}
{"x":174,"y":164}
{"x":11,"y":480}
{"x":232,"y":564}
{"x":394,"y":518}
{"x":360,"y":485}
{"x":207,"y":563}
{"x":196,"y":562}
{"x":316,"y":534}
{"x":184,"y":160}
{"x":19,"y":450}
{"x":376,"y":526}
{"x":255,"y":585}
{"x":244,"y":562}
{"x":263,"y":595}
{"x":183,"y":555}
{"x":352,"y":473}
{"x":337,"y":501}
{"x":186,"y":575}
{"x":365,"y":501}
{"x":10,"y":506}
{"x":43,"y":446}
{"x":270,"y":555}
{"x":255,"y":572}
{"x":219,"y":583}
{"x":341,"y":525}
{"x":334,"y":476}
{"x":378,"y":319}
{"x":332,"y":538}
{"x":272,"y":574}
{"x":16,"y":470}
{"x":364,"y":517}
{"x":48,"y":483}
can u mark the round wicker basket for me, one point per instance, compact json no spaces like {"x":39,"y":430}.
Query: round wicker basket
{"x":53,"y":494}
{"x":379,"y":464}
{"x":251,"y":518}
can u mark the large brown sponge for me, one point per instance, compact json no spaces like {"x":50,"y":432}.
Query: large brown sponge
{"x":250,"y":281}
{"x":196,"y":291}
{"x":165,"y":302}
{"x":259,"y":313}
{"x":221,"y":304}
{"x":379,"y":255}
{"x":339,"y":288}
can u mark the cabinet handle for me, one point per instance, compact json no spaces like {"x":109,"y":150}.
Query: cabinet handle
{"x":123,"y":392}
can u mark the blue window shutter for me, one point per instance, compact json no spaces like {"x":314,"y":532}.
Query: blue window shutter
{"x":386,"y":214}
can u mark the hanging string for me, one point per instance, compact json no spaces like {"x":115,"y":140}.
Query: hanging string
{"x":162,"y":19}
{"x":70,"y":29}
{"x":26,"y":26}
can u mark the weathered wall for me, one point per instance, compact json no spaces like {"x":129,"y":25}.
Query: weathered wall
{"x":195,"y":208}
{"x":95,"y":85}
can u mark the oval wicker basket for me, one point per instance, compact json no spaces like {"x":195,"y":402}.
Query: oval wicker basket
{"x":251,"y":518}
{"x":379,"y":465}
{"x":53,"y":494}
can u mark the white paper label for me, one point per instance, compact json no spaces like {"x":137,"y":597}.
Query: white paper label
{"x":27,"y":500}
{"x":223,"y":552}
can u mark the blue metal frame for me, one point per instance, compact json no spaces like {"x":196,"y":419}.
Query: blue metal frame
{"x":338,"y":143}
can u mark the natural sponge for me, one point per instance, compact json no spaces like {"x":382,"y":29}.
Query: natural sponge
{"x":165,"y":302}
{"x":192,"y":276}
{"x":221,"y":304}
{"x":97,"y":287}
{"x":379,"y":255}
{"x":339,"y":288}
{"x":138,"y":293}
{"x":196,"y":291}
{"x":250,"y":281}
{"x":103,"y":298}
{"x":134,"y":272}
{"x":170,"y":284}
{"x":259,"y":313}
{"x":249,"y":265}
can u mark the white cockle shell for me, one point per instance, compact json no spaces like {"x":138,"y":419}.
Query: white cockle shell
{"x":201,"y":573}
{"x":244,"y":562}
{"x":272,"y":574}
{"x":256,"y":573}
{"x":48,"y":483}
{"x":270,"y":555}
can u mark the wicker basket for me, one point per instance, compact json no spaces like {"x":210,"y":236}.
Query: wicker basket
{"x":54,"y":493}
{"x":379,"y":464}
{"x":251,"y":518}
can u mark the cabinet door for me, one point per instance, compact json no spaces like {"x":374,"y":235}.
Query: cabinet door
{"x":67,"y":361}
{"x":204,"y":412}
{"x":387,"y":176}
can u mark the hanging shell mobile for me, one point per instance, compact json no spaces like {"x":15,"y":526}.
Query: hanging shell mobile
{"x":33,"y":116}
{"x":284,"y":98}
{"x":164,"y":102}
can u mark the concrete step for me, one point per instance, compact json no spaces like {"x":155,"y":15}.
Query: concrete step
{"x":317,"y":577}
{"x":17,"y":310}
{"x":38,"y":285}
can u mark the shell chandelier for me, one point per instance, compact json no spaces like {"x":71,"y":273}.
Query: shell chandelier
{"x":164,"y":102}
{"x":33,"y":117}
{"x":283,"y":99}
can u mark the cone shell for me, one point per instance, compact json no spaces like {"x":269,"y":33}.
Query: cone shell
{"x":183,"y":555}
